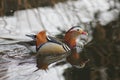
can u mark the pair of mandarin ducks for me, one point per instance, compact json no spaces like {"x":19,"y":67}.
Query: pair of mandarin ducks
{"x":50,"y":49}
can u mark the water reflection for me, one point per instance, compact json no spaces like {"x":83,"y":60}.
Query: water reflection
{"x":77,"y":74}
{"x":16,"y":62}
{"x":104,"y":53}
{"x":3,"y":68}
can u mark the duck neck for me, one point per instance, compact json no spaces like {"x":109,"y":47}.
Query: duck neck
{"x":71,"y":42}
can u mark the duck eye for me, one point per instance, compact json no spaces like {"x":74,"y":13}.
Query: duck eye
{"x":77,"y":29}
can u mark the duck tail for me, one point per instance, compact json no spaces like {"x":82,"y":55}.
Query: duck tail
{"x":31,"y":36}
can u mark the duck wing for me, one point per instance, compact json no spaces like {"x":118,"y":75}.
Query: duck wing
{"x":50,"y":48}
{"x":51,"y":52}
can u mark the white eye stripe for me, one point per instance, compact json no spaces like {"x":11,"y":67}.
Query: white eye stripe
{"x":76,"y":29}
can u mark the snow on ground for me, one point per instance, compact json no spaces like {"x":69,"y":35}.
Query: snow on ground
{"x":63,"y":15}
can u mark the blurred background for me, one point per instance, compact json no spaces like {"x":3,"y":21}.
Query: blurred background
{"x":100,"y":18}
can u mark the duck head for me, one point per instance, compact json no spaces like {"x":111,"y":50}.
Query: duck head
{"x":40,"y":39}
{"x":72,"y":34}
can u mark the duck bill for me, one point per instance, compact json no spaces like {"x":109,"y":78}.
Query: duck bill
{"x":85,"y":33}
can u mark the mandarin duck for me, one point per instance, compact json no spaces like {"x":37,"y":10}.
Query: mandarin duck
{"x":50,"y":49}
{"x":72,"y":39}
